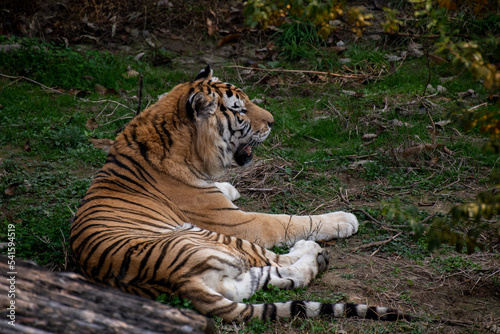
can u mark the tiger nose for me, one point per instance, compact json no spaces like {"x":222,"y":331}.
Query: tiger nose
{"x":270,"y":124}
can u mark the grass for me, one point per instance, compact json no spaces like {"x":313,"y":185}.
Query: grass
{"x":315,"y":161}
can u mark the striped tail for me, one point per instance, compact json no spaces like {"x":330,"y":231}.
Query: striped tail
{"x":307,"y":309}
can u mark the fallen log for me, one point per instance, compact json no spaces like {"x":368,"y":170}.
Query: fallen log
{"x":34,"y":300}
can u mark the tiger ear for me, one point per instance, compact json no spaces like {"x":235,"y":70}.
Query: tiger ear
{"x":205,"y":74}
{"x":200,"y":106}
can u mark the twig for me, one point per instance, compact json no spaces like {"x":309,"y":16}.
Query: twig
{"x":407,"y":34}
{"x":332,"y":107}
{"x":449,"y":185}
{"x":140,"y":95}
{"x":111,"y":101}
{"x":260,"y":189}
{"x":377,"y":243}
{"x":413,"y":184}
{"x":429,"y":217}
{"x":478,"y":106}
{"x":35,"y":82}
{"x":423,"y":94}
{"x":319,"y":161}
{"x":297,"y":71}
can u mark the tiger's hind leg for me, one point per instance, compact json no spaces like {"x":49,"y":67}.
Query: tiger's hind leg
{"x":219,"y":271}
{"x":297,"y":275}
{"x":293,"y":270}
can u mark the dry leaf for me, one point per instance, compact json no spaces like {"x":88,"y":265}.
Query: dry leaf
{"x":443,"y":99}
{"x":447,"y":150}
{"x":258,"y":101}
{"x":369,"y":136}
{"x":229,"y":39}
{"x":210,"y":27}
{"x":99,"y":89}
{"x":468,"y":93}
{"x":261,"y":53}
{"x":441,"y":124}
{"x":332,"y":242}
{"x":356,"y":164}
{"x":274,"y":81}
{"x":27,"y":147}
{"x":131,"y":74}
{"x":102,"y":143}
{"x":415,"y":150}
{"x":337,"y":49}
{"x":353,"y":93}
{"x":10,"y":189}
{"x":396,"y":122}
{"x":434,"y":160}
{"x":91,"y":124}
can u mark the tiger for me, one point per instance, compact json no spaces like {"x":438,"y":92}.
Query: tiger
{"x":154,"y":221}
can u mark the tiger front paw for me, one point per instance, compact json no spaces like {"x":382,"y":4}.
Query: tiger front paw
{"x":337,"y":225}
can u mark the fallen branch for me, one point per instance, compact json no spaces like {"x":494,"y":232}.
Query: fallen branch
{"x":33,"y":81}
{"x":298,"y":71}
{"x":377,"y":243}
{"x":68,"y":303}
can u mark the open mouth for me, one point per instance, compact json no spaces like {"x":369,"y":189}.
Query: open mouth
{"x":243,"y":154}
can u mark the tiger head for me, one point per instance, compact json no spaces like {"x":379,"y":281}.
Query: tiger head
{"x":203,"y":125}
{"x":228,"y":125}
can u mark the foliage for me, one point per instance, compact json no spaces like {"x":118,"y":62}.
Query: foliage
{"x":320,"y":13}
{"x":392,"y":23}
{"x":467,"y":53}
{"x":461,"y":230}
{"x":175,"y":301}
{"x":272,"y":294}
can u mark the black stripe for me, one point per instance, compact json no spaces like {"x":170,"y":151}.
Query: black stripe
{"x":272,"y":312}
{"x":372,"y":314}
{"x":103,"y":256}
{"x":327,"y":309}
{"x":350,"y":310}
{"x":167,"y":133}
{"x":268,"y":278}
{"x":98,"y":238}
{"x":298,"y":309}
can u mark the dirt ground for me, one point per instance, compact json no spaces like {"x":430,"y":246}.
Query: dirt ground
{"x":460,"y":300}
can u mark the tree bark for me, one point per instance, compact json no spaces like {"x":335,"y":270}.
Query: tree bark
{"x":34,"y":300}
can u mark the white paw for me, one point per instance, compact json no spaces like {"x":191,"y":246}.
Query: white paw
{"x":302,"y":247}
{"x":337,"y":225}
{"x":228,"y":190}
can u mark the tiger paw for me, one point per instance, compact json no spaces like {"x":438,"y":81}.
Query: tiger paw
{"x":303,"y":247}
{"x":323,"y":261}
{"x":228,"y":190}
{"x":336,"y":225}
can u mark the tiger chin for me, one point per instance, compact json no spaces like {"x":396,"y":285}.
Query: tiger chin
{"x":153,"y":221}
